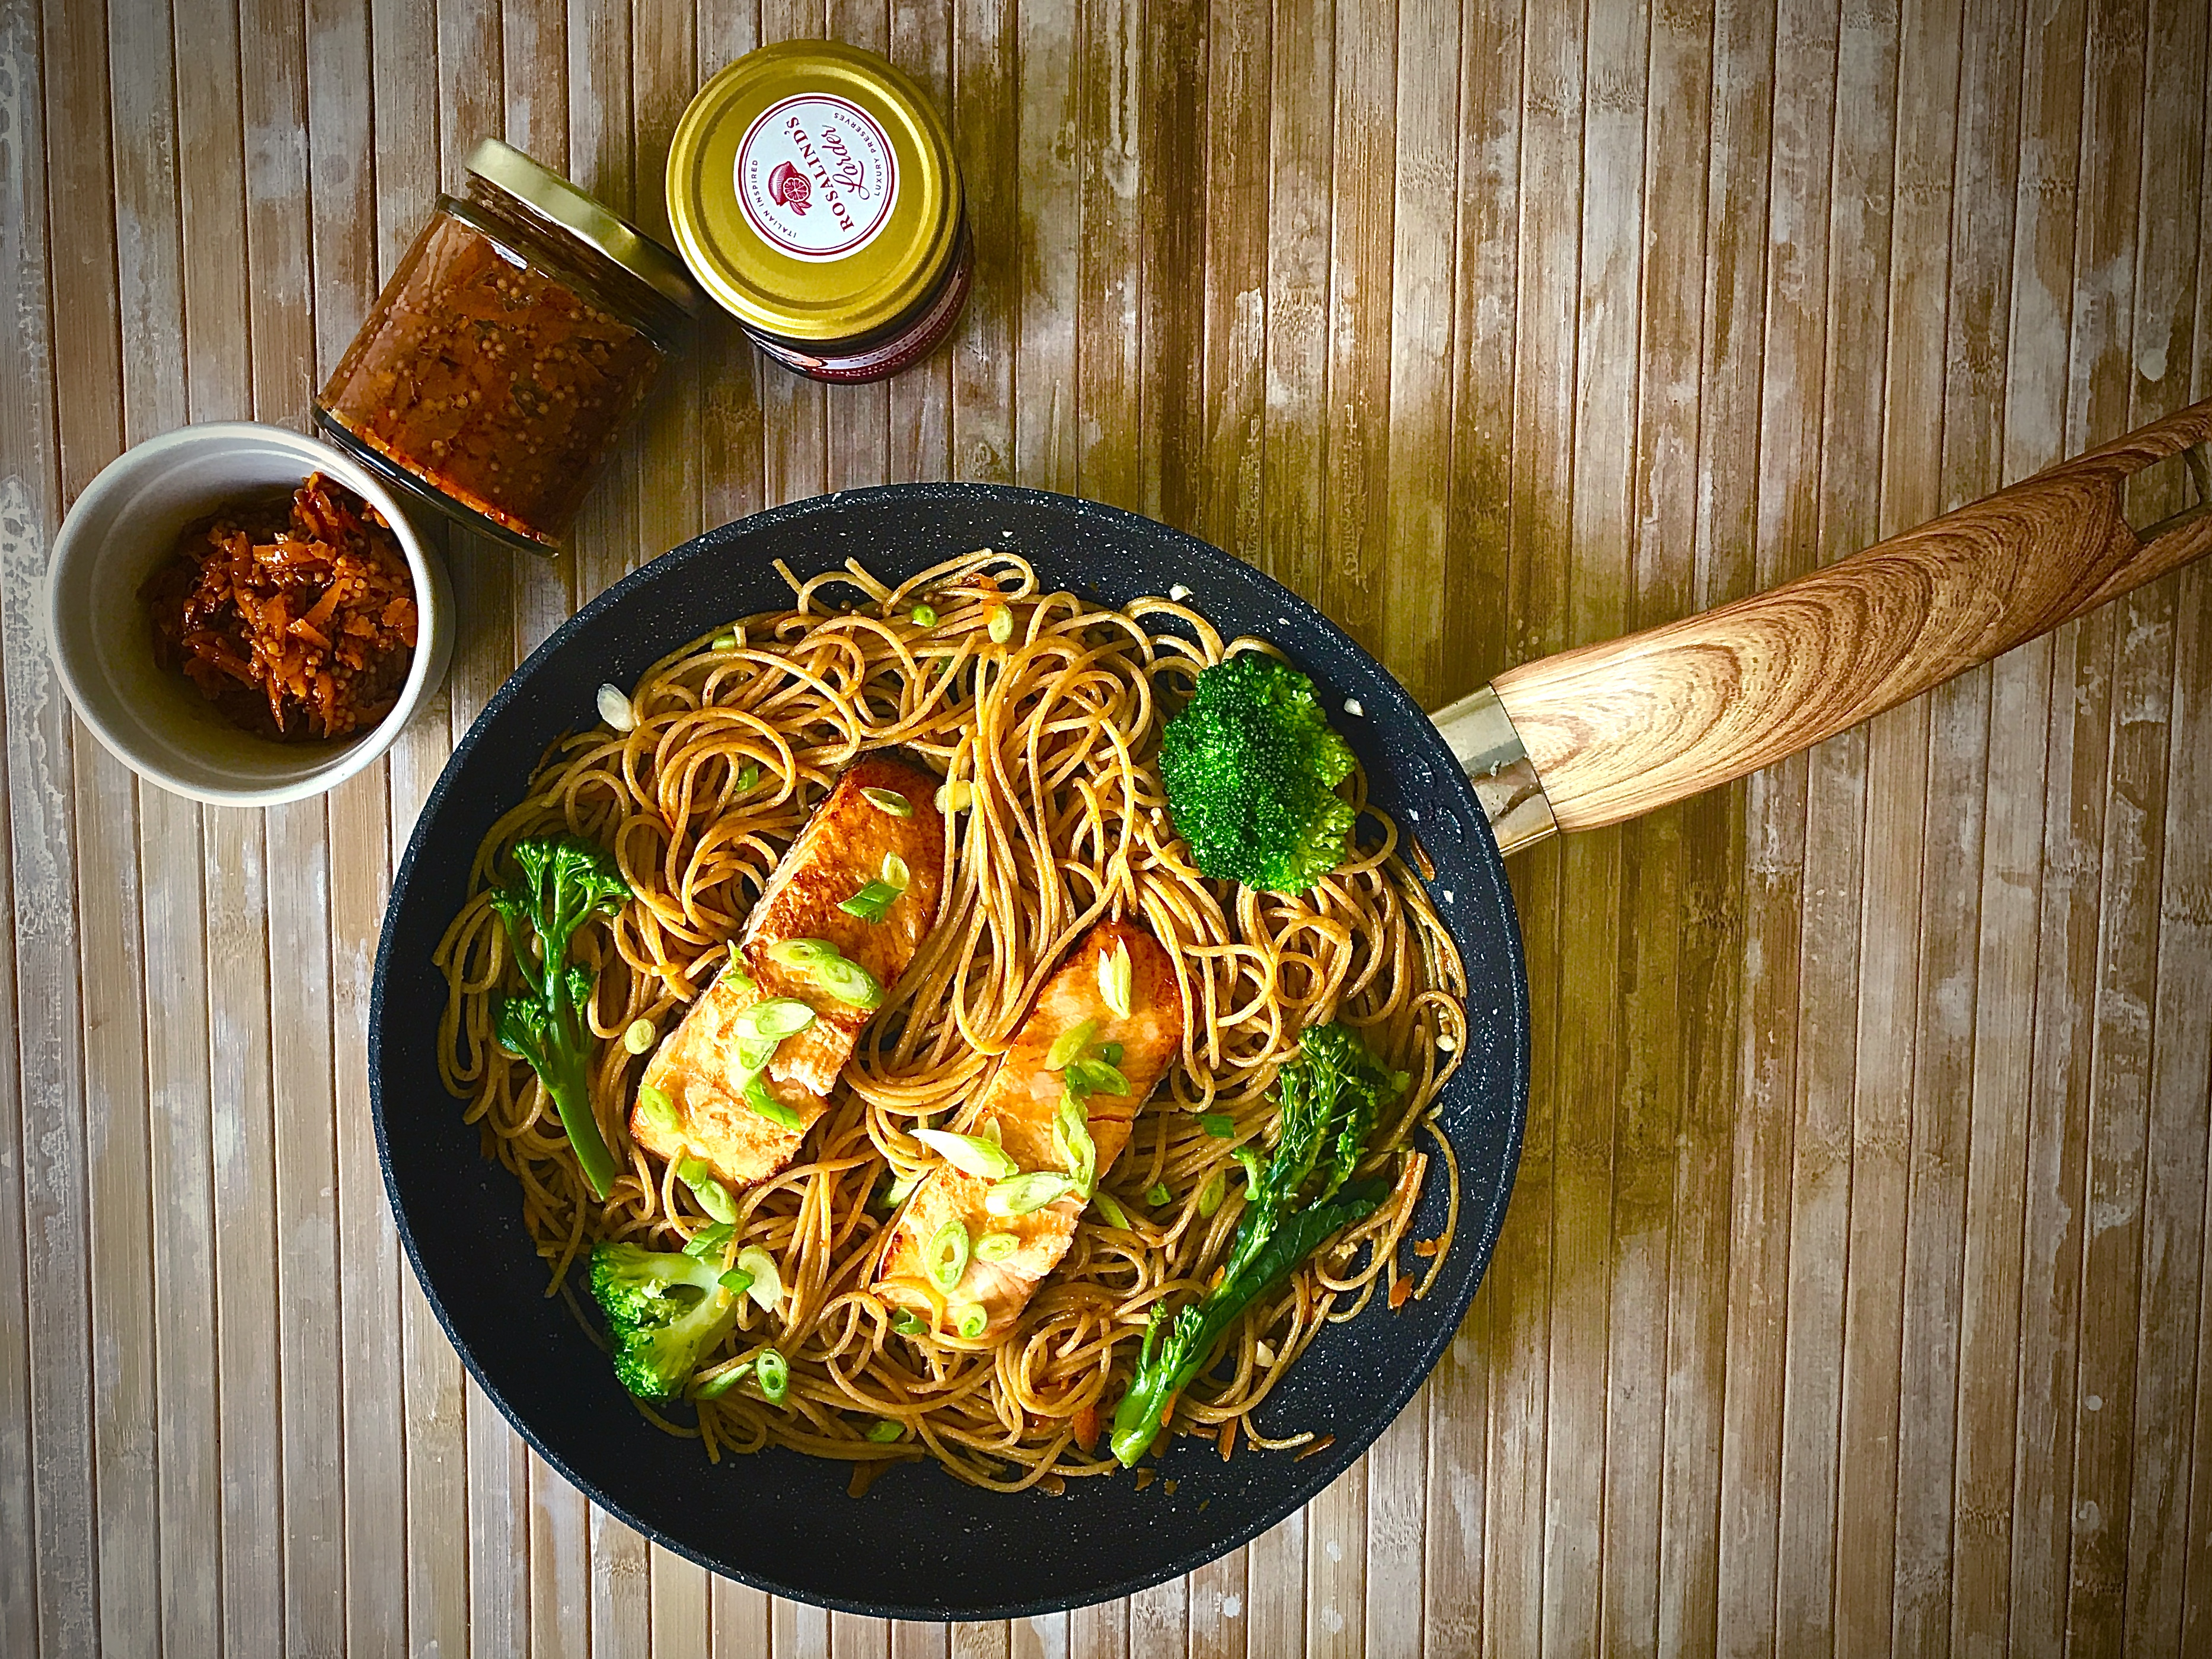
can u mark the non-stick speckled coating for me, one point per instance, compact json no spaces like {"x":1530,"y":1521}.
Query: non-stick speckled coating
{"x":920,"y":1545}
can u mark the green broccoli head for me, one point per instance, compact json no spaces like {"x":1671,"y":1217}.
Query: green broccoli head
{"x":1251,"y":768}
{"x":563,"y":882}
{"x":664,"y":1312}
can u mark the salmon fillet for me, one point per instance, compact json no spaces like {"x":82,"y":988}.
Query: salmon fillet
{"x":841,"y":850}
{"x":1019,"y":1102}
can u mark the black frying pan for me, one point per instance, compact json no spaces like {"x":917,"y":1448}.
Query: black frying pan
{"x":920,"y":1545}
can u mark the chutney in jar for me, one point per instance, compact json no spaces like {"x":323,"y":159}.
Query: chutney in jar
{"x":497,"y":369}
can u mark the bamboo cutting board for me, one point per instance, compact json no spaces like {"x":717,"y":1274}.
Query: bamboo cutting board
{"x":1855,"y":1295}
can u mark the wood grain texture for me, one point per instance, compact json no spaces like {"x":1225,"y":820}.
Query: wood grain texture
{"x":1624,"y":726}
{"x":1855,"y":1295}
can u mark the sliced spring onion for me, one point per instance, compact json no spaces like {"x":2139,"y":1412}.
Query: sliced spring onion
{"x":872,"y":902}
{"x":763,"y":1283}
{"x":895,"y":1194}
{"x":802,"y":953}
{"x":778,"y":1018}
{"x":888,"y":801}
{"x":996,"y":1246}
{"x":616,"y":710}
{"x":772,"y":1371}
{"x":969,"y":1154}
{"x":734,"y":970}
{"x":658,"y":1110}
{"x":999,"y":624}
{"x":1071,"y":1135}
{"x":1157,"y":1194}
{"x":753,"y":1053}
{"x":757,"y":1097}
{"x":723,"y":643}
{"x":715,"y":1387}
{"x":707,"y":1186}
{"x":1116,"y":977}
{"x":1021,"y":1193}
{"x":708,"y":1241}
{"x":945,"y":1258}
{"x":748,"y":779}
{"x":971,"y":1322}
{"x":1110,"y":1053}
{"x":924,"y":615}
{"x":1112,"y":1213}
{"x":847,"y":981}
{"x":883,"y":1430}
{"x":1093,"y":1076}
{"x":736,"y":1281}
{"x":1211,"y":1195}
{"x":907,"y":1322}
{"x":1070,"y":1043}
{"x":1219,"y":1125}
{"x":638,"y":1035}
{"x":954,"y":797}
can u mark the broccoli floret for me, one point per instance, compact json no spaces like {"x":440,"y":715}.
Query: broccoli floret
{"x":1327,"y":1099}
{"x":664,"y":1310}
{"x":562,"y":883}
{"x":1251,"y":768}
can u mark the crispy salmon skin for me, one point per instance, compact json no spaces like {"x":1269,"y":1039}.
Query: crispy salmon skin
{"x":841,"y":849}
{"x":1017,"y":1107}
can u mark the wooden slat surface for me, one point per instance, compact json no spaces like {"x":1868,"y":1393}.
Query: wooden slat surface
{"x":1854,"y":1297}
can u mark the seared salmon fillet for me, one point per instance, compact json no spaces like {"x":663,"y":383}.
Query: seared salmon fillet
{"x":841,"y":849}
{"x":1017,"y":1106}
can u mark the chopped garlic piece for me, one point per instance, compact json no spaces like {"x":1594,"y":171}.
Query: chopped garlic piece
{"x":615,"y":709}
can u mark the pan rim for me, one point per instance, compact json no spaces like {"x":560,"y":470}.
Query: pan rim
{"x":1380,"y":1411}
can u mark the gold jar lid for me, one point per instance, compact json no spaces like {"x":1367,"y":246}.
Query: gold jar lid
{"x":585,"y":217}
{"x":813,"y":192}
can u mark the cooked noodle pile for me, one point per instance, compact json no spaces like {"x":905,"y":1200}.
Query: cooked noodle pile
{"x":1054,"y":733}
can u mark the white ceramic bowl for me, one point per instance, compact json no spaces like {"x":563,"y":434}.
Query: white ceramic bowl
{"x":153,"y":719}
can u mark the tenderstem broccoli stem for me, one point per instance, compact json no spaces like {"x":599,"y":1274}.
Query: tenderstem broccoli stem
{"x":562,"y":883}
{"x":565,"y":1081}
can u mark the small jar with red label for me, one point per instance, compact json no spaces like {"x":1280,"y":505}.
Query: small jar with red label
{"x":813,"y":193}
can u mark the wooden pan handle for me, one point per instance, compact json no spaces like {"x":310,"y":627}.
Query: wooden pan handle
{"x":1620,"y":728}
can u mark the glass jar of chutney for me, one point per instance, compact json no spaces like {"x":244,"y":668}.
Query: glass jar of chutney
{"x":494,"y":374}
{"x":813,"y":191}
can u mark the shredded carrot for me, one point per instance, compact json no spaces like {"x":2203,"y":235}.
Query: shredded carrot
{"x":1320,"y":1445}
{"x":295,"y":618}
{"x":865,"y":1473}
{"x":1228,"y":1440}
{"x":1401,"y":1291}
{"x":1086,"y":1427}
{"x":1428,"y":1249}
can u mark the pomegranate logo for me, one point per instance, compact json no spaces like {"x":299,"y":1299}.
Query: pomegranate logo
{"x":788,"y":186}
{"x":815,"y":177}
